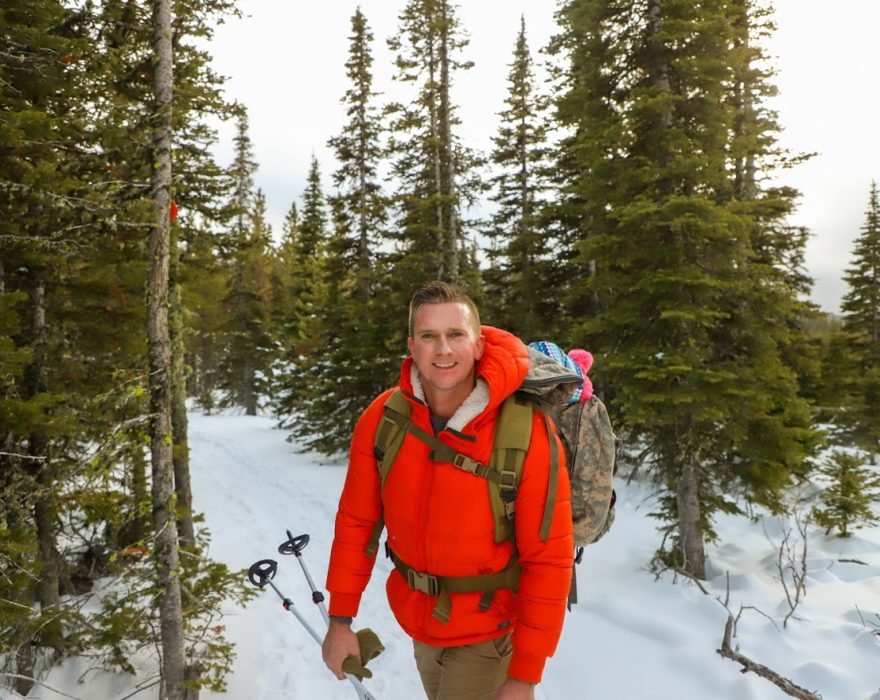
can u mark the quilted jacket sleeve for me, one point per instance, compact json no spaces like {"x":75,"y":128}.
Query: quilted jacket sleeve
{"x":360,"y":507}
{"x":546,"y":566}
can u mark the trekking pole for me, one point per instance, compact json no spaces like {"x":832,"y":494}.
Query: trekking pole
{"x":295,"y":545}
{"x":261,"y":573}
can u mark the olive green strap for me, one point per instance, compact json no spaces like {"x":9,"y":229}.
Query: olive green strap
{"x":442,"y":586}
{"x":552,"y":480}
{"x":386,"y":444}
{"x":441,"y":452}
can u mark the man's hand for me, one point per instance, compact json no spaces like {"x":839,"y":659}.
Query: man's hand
{"x":339,"y":644}
{"x":512,"y":689}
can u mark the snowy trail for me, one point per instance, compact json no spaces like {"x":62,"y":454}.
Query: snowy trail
{"x":252,"y":486}
{"x":630,"y":637}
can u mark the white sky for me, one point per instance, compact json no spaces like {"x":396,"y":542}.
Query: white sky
{"x":285,"y":62}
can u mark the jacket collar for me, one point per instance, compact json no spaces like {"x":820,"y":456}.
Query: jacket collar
{"x":499,"y":372}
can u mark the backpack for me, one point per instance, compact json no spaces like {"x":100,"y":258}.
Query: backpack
{"x":589,"y":443}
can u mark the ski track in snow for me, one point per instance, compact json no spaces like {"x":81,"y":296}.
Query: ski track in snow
{"x":632,"y":636}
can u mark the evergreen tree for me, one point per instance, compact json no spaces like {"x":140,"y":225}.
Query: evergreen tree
{"x":520,"y":292}
{"x":847,"y":502}
{"x":358,"y":151}
{"x":861,"y":325}
{"x":434,"y":171}
{"x":301,"y":334}
{"x":248,"y":346}
{"x":350,"y":368}
{"x":646,"y":183}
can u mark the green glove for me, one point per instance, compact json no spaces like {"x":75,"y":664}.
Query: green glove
{"x":371,"y":647}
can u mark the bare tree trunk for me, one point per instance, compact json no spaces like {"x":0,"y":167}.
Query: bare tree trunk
{"x":179,"y":422}
{"x":689,"y":526}
{"x":448,"y":187}
{"x":44,"y":502}
{"x":250,"y":396}
{"x":442,"y":270}
{"x":159,"y":343}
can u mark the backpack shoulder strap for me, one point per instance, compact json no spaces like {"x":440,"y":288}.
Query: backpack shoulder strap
{"x":513,"y":432}
{"x":386,"y":444}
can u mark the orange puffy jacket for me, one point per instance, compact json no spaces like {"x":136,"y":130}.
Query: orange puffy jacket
{"x":439,"y":520}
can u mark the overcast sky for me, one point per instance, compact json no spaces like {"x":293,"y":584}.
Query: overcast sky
{"x":285,"y":63}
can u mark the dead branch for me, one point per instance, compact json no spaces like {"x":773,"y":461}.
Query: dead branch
{"x":37,"y":681}
{"x":679,"y":570}
{"x":853,"y":561}
{"x":747,"y":664}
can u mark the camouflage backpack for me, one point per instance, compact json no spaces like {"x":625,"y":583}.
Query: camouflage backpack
{"x":588,"y":440}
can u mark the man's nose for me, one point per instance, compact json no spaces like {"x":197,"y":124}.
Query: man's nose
{"x":443,"y":344}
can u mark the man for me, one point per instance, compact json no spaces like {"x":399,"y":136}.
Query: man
{"x":439,"y":520}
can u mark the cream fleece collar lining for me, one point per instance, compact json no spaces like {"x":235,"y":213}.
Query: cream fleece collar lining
{"x":473,"y":405}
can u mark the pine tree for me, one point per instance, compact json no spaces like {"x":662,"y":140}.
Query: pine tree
{"x":248,"y":345}
{"x":434,"y":171}
{"x":646,"y":183}
{"x":848,"y":501}
{"x":520,"y":291}
{"x":301,"y":334}
{"x":358,"y":151}
{"x":861,"y":326}
{"x":350,"y":368}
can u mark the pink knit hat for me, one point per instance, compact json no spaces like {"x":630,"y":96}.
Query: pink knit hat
{"x":584,"y":360}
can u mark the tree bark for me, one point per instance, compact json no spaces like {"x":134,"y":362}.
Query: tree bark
{"x":159,"y":344}
{"x":689,"y":526}
{"x":448,"y":160}
{"x":48,"y":593}
{"x":179,"y":422}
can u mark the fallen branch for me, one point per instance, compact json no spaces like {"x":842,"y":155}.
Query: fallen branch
{"x":747,"y":664}
{"x":853,"y":561}
{"x":37,"y":681}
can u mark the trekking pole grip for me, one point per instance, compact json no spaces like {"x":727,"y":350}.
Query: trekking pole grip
{"x":293,"y":545}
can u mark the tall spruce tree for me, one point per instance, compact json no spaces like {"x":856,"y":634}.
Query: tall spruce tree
{"x":248,"y":345}
{"x":521,"y":295}
{"x":301,"y":335}
{"x":352,"y":366}
{"x":433,"y":169}
{"x":860,"y":418}
{"x":646,"y":182}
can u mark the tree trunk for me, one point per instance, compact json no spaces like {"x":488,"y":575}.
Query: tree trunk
{"x":448,"y":160}
{"x":159,"y":343}
{"x":250,"y":395}
{"x":179,"y":423}
{"x":40,"y":467}
{"x":689,"y":526}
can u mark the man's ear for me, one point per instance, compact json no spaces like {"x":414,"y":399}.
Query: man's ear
{"x":480,"y":346}
{"x":409,"y":344}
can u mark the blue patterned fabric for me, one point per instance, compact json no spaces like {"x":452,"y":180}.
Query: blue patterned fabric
{"x":554,"y":352}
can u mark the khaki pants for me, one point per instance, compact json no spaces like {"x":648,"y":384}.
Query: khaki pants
{"x":470,"y":672}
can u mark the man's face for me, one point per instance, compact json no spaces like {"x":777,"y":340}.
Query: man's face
{"x":445,"y":347}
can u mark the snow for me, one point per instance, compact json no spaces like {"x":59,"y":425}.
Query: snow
{"x":631,"y":636}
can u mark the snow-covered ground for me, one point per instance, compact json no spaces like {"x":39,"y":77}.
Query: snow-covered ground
{"x":631,"y":637}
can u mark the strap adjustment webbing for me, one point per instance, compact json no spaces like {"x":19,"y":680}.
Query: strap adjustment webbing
{"x":442,"y":586}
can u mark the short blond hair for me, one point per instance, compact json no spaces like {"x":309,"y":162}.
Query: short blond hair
{"x":437,"y":292}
